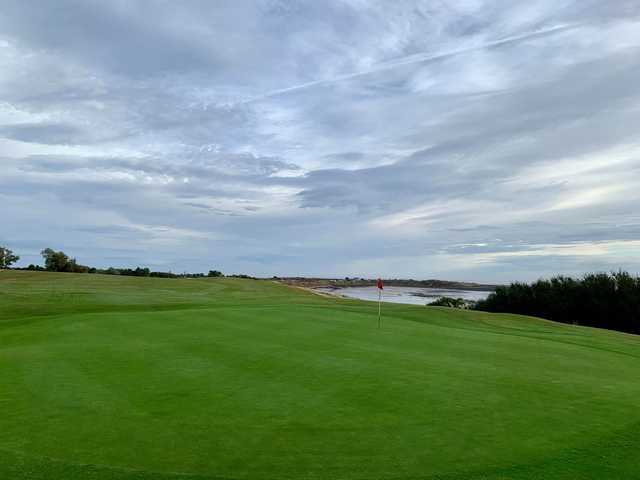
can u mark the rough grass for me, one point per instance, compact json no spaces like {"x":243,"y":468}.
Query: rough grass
{"x":107,"y":377}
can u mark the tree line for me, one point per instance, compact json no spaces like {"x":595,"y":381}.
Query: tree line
{"x":604,"y":300}
{"x":58,"y":261}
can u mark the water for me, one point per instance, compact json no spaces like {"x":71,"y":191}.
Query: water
{"x":405,"y":294}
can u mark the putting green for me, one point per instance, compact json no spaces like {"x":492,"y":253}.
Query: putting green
{"x":105,"y":377}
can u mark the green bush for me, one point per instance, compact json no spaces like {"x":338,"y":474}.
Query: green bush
{"x":449,"y":302}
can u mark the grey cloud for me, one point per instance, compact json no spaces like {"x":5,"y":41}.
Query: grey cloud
{"x":43,"y":133}
{"x":122,"y":37}
{"x":556,"y":115}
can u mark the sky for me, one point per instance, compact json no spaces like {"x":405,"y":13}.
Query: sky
{"x":476,"y":140}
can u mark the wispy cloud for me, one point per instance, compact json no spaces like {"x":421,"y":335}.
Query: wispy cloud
{"x":416,"y":58}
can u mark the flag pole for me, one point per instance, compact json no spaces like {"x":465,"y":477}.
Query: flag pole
{"x":380,"y":287}
{"x":379,"y":305}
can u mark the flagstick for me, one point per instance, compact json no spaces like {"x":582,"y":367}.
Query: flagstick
{"x":379,"y":304}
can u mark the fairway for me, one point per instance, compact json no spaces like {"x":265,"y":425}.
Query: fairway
{"x":107,"y":377}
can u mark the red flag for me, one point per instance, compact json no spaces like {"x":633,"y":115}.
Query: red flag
{"x":379,"y":284}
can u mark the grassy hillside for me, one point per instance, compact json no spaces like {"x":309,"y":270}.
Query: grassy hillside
{"x":105,"y":377}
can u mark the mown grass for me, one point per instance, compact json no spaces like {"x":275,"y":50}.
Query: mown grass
{"x":135,"y":378}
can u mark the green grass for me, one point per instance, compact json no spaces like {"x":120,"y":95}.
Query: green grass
{"x":135,"y":378}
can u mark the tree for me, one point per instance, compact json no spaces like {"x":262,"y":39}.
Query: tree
{"x":55,"y":261}
{"x":7,"y":258}
{"x":60,"y":262}
{"x":214,"y":273}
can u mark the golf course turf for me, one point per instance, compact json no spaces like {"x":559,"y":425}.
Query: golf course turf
{"x":108,"y":377}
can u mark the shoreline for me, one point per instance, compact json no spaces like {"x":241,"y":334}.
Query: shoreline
{"x":338,"y":283}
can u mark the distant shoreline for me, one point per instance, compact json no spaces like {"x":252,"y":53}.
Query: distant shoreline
{"x":338,"y":283}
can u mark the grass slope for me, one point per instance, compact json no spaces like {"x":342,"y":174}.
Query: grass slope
{"x":135,"y":378}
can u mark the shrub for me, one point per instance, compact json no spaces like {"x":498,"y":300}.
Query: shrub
{"x":449,"y":302}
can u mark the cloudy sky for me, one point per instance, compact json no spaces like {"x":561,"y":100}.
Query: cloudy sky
{"x":468,"y":139}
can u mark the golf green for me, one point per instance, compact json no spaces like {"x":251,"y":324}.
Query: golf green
{"x":107,"y":377}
